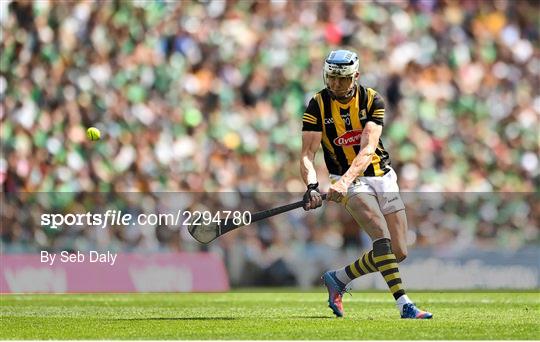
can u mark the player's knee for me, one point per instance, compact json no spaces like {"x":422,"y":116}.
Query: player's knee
{"x":401,"y":254}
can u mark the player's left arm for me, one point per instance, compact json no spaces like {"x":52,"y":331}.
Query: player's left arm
{"x":368,"y":145}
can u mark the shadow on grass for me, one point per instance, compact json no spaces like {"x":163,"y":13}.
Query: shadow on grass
{"x":179,"y":319}
{"x":312,"y":317}
{"x":213,"y":318}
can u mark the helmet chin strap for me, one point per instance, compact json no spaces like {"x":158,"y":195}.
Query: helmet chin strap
{"x":347,"y":96}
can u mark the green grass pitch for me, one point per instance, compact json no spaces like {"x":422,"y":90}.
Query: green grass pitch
{"x":267,"y":316}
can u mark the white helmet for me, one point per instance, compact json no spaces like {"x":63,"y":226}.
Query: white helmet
{"x":341,"y":63}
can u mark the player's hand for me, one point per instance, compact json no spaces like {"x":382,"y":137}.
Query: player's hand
{"x":337,"y":191}
{"x":312,"y":197}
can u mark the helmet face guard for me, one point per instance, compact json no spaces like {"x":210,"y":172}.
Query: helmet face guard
{"x":341,"y":63}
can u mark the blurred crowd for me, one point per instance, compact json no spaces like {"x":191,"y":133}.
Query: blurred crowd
{"x":207,"y":97}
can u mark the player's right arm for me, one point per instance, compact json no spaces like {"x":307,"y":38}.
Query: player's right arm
{"x":311,"y":140}
{"x":310,"y":144}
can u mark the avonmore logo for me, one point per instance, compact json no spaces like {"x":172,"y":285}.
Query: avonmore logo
{"x":162,"y":279}
{"x":30,"y":279}
{"x":349,"y":138}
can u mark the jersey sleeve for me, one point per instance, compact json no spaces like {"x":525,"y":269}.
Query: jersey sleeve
{"x":376,"y":111}
{"x":311,"y":121}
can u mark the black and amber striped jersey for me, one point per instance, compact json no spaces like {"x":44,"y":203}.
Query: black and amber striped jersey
{"x":341,"y":125}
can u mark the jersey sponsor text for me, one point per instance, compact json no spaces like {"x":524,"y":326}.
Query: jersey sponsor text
{"x":350,"y":138}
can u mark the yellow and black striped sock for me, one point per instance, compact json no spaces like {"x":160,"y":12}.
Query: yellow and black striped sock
{"x":362,"y":266}
{"x":386,"y":263}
